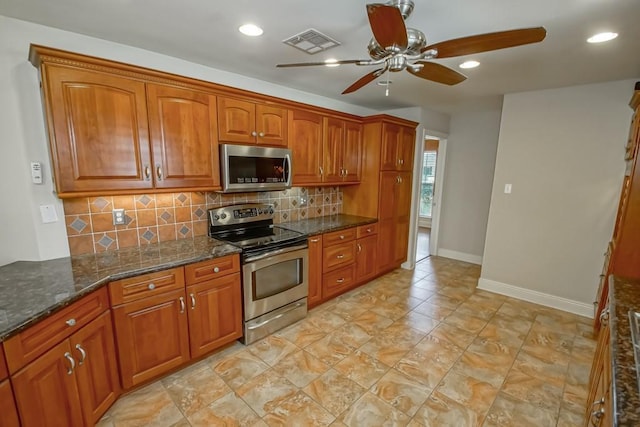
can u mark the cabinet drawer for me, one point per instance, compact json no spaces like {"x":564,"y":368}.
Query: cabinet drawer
{"x":367,"y":230}
{"x":31,"y":343}
{"x":338,"y":281}
{"x":334,"y":237}
{"x":135,"y":288}
{"x":212,"y":268}
{"x":338,"y":255}
{"x":4,"y":372}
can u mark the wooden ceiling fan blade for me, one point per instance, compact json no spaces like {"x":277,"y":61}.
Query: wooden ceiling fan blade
{"x":438,"y":73}
{"x":486,"y":42}
{"x":387,"y":26}
{"x":313,"y":64}
{"x":366,"y":79}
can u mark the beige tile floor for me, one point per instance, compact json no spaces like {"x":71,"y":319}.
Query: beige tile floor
{"x":414,"y":348}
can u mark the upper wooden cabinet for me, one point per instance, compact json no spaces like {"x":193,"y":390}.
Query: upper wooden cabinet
{"x":342,"y":146}
{"x":98,"y":130}
{"x":398,"y":144}
{"x":247,"y":122}
{"x":112,"y":130}
{"x":305,"y":142}
{"x":182,"y":125}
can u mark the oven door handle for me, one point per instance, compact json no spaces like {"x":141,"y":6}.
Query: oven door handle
{"x":276,"y":252}
{"x":261,"y":324}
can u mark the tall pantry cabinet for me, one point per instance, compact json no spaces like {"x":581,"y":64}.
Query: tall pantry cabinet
{"x":623,"y":254}
{"x":385,"y":189}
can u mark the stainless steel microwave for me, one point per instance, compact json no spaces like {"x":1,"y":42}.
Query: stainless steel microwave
{"x":249,"y":168}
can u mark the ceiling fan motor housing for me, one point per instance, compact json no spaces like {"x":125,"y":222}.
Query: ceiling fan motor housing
{"x":405,"y":6}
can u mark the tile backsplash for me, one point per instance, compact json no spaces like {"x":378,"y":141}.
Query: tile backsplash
{"x":152,"y":218}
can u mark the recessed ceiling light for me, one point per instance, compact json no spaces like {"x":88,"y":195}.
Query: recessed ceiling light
{"x":250,"y":30}
{"x":602,"y":37}
{"x":469,"y":64}
{"x":331,"y":62}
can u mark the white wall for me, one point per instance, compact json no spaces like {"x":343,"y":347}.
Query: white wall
{"x":468,"y":179}
{"x":22,"y":235}
{"x":562,"y":150}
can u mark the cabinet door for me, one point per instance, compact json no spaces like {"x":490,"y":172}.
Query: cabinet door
{"x":389,"y":149}
{"x":402,"y":205}
{"x":98,"y":130}
{"x":8,"y":411}
{"x":366,"y":258}
{"x":406,"y":148}
{"x":387,"y":220}
{"x":352,"y":152}
{"x":97,"y":370}
{"x":333,"y":148}
{"x":315,"y":271}
{"x":46,"y":390}
{"x":152,"y":336}
{"x":305,"y":142}
{"x":236,"y":121}
{"x":271,"y":125}
{"x":215,"y":313}
{"x":182,"y":125}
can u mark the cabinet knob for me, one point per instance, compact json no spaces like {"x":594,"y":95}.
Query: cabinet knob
{"x":261,"y":134}
{"x":314,"y":240}
{"x":368,"y":230}
{"x":254,"y":133}
{"x":340,"y":256}
{"x":342,"y":237}
{"x":71,"y":322}
{"x":340,"y":280}
{"x":151,"y":286}
{"x":216,"y":269}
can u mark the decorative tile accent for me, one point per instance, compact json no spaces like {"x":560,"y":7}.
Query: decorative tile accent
{"x":106,"y":241}
{"x":148,"y":235}
{"x":171,"y":216}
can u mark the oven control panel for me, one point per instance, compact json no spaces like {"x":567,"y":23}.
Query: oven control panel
{"x":239,"y":214}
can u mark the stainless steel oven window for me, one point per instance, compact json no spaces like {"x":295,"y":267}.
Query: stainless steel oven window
{"x":276,"y":278}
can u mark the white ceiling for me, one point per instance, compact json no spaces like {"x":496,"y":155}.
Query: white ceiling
{"x":205,"y":32}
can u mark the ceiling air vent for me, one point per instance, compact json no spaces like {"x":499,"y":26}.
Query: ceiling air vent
{"x":311,"y":41}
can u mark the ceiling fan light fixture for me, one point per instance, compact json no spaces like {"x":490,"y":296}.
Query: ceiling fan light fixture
{"x":250,"y":30}
{"x":602,"y":37}
{"x":469,"y":64}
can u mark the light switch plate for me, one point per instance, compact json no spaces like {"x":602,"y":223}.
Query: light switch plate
{"x":48,"y":214}
{"x":507,"y":189}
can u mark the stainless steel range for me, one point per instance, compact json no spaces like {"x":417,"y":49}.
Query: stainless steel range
{"x":274,"y":266}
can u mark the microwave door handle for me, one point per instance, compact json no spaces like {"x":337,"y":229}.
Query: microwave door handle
{"x":286,"y":166}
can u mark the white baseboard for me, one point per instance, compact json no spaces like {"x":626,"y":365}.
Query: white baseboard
{"x":536,"y":297}
{"x":460,"y":256}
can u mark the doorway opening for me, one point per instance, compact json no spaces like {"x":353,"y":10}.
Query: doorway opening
{"x":427,"y":186}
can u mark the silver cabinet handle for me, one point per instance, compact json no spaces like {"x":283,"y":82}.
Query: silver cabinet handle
{"x":321,"y":171}
{"x":598,"y":402}
{"x":182,"y":305}
{"x":398,"y":179}
{"x":72,"y":363}
{"x":193,"y":301}
{"x":597,"y":414}
{"x":83,"y":354}
{"x":71,"y":322}
{"x":604,"y":316}
{"x":147,"y":173}
{"x":159,"y":172}
{"x":216,"y":269}
{"x":340,"y":280}
{"x":368,"y":230}
{"x":340,"y":256}
{"x":359,"y":248}
{"x":314,"y":240}
{"x":151,"y":286}
{"x":346,"y":172}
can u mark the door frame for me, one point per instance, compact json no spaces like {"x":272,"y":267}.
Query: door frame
{"x":415,"y":197}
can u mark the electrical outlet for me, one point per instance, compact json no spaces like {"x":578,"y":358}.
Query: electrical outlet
{"x":303,"y":201}
{"x":118,"y":217}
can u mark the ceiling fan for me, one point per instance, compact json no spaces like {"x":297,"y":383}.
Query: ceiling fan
{"x":394,"y":47}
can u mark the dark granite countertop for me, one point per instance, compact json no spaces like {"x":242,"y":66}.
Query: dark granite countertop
{"x":32,"y":290}
{"x":624,"y":295}
{"x":326,"y":224}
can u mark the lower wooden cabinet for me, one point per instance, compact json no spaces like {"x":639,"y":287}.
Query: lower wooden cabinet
{"x":599,"y":410}
{"x":152,"y":336}
{"x":315,"y":271}
{"x":215,"y":313}
{"x":73,"y":383}
{"x":8,"y":411}
{"x":394,"y":219}
{"x":338,"y":281}
{"x":366,"y":256}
